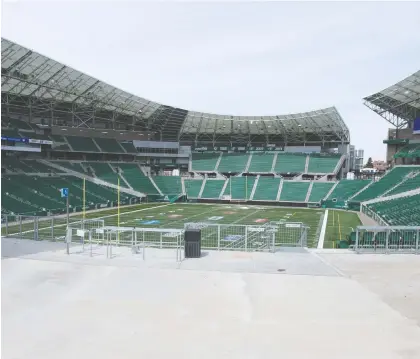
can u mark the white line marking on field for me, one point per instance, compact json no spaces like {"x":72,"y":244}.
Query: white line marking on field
{"x":187,"y":218}
{"x":323,"y":230}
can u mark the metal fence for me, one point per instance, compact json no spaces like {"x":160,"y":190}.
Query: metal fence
{"x":36,"y":227}
{"x":141,"y":239}
{"x":387,"y":239}
{"x":265,"y":237}
{"x":88,"y":233}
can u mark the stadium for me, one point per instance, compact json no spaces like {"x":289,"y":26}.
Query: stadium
{"x":102,"y":174}
{"x":64,"y":129}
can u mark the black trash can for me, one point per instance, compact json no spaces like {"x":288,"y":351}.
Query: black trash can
{"x":192,"y":243}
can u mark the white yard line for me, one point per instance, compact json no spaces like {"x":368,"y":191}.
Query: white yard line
{"x":187,"y":218}
{"x":229,"y":224}
{"x":323,"y":231}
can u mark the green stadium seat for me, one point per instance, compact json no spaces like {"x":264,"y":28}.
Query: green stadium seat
{"x":204,"y":161}
{"x":212,"y":188}
{"x":261,"y":163}
{"x":104,"y":172}
{"x":10,"y":132}
{"x":389,"y":180}
{"x":320,"y":163}
{"x":73,"y":166}
{"x":82,"y":144}
{"x":169,"y":185}
{"x":290,"y":163}
{"x":267,"y":189}
{"x":129,"y":147}
{"x":407,"y":185}
{"x":57,"y":138}
{"x":109,"y":145}
{"x":233,"y":163}
{"x":320,"y":190}
{"x":136,"y":178}
{"x":239,"y":187}
{"x":409,"y":151}
{"x":347,"y":188}
{"x":63,"y":147}
{"x":14,"y":165}
{"x":193,"y":187}
{"x":403,"y":211}
{"x":294,"y":191}
{"x":20,"y":124}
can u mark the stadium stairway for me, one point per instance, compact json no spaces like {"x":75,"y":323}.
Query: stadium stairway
{"x":205,"y":162}
{"x":309,"y":191}
{"x":183,"y":186}
{"x":322,"y":164}
{"x":359,"y":190}
{"x":193,"y":187}
{"x":202,"y":188}
{"x":137,"y":179}
{"x":339,"y":164}
{"x":319,"y":191}
{"x":151,"y":180}
{"x":98,"y":181}
{"x":105,"y":172}
{"x":331,"y":190}
{"x":306,"y":165}
{"x":254,"y":187}
{"x":219,"y":159}
{"x":248,"y":163}
{"x":280,"y":189}
{"x":273,"y":165}
{"x":409,"y":183}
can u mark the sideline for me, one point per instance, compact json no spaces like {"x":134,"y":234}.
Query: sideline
{"x":323,"y":230}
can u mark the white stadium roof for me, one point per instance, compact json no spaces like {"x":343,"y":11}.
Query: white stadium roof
{"x":28,"y":74}
{"x":398,"y":104}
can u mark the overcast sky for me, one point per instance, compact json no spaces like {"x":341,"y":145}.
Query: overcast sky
{"x":234,"y":58}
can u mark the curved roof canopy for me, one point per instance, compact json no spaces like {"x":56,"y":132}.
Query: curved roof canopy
{"x":28,"y":74}
{"x":398,"y":104}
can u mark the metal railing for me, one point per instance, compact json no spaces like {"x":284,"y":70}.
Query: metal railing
{"x":387,"y":239}
{"x":264,"y":237}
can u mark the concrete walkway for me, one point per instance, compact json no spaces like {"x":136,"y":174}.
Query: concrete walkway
{"x":367,"y":221}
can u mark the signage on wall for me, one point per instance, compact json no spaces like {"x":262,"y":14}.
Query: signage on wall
{"x":241,"y":149}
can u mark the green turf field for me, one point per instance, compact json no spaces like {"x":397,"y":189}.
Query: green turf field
{"x":339,"y":225}
{"x":154,"y":215}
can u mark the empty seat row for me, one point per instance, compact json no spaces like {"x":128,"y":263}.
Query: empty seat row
{"x":387,"y":182}
{"x":403,"y":211}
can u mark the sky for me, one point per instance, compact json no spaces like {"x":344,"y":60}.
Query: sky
{"x":234,"y":58}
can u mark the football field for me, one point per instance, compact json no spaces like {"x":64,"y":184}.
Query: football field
{"x":174,"y":216}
